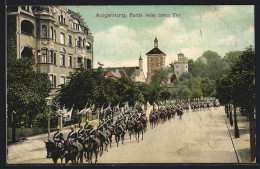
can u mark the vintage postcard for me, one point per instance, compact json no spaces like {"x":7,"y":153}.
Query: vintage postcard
{"x":131,"y":84}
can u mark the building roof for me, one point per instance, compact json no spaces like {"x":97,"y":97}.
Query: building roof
{"x":110,"y":74}
{"x":155,"y":51}
{"x":122,"y":73}
{"x":77,"y":16}
{"x":128,"y":70}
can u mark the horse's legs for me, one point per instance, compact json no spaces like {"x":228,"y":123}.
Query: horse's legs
{"x":142,"y":134}
{"x":96,"y":157}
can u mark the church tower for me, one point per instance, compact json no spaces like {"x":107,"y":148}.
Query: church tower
{"x":155,"y":60}
{"x":141,"y":63}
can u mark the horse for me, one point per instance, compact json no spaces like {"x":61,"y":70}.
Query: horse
{"x":168,"y":114}
{"x":52,"y":151}
{"x":152,"y":120}
{"x":130,"y":127}
{"x":138,"y":127}
{"x":117,"y":132}
{"x":162,"y":116}
{"x":90,"y":147}
{"x":71,"y":154}
{"x":179,"y":113}
{"x":104,"y":140}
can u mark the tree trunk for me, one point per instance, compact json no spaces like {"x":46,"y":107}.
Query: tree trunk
{"x":230,"y":115}
{"x":252,"y":137}
{"x":226,"y":110}
{"x":235,"y":121}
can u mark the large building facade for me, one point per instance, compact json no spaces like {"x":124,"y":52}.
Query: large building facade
{"x":155,"y":60}
{"x":56,"y":38}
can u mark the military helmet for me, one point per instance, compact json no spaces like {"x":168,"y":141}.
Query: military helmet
{"x":81,"y":125}
{"x":87,"y":121}
{"x":103,"y":120}
{"x":58,"y":127}
{"x":71,"y":126}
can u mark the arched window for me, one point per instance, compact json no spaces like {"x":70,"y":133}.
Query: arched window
{"x":88,"y":46}
{"x":79,"y":42}
{"x":44,"y":31}
{"x":27,"y":53}
{"x":27,"y":27}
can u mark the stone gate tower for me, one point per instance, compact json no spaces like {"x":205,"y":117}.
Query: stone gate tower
{"x":155,"y":60}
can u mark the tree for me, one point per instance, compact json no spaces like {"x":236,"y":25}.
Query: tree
{"x":165,"y":95}
{"x":196,"y":94}
{"x":159,"y":78}
{"x":26,"y":91}
{"x":207,"y":87}
{"x":185,"y":93}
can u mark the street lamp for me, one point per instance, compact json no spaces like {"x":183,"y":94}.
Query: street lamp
{"x":48,"y":101}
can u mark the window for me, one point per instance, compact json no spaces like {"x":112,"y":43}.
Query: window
{"x":62,"y":60}
{"x":27,"y":27}
{"x":54,"y":35}
{"x":62,"y":38}
{"x":52,"y":57}
{"x":79,"y":61}
{"x":69,"y":40}
{"x":51,"y":33}
{"x":44,"y":31}
{"x":53,"y":81}
{"x":84,"y":41}
{"x":62,"y":81}
{"x":70,"y":61}
{"x":44,"y":56}
{"x":88,"y":46}
{"x":79,"y":42}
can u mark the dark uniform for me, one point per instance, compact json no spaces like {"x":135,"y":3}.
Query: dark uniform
{"x":87,"y":128}
{"x":72,"y":137}
{"x":81,"y":135}
{"x":58,"y":138}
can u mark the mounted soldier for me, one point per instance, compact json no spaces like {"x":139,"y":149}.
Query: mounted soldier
{"x":92,"y":134}
{"x":59,"y":141}
{"x":100,"y":129}
{"x":81,"y":134}
{"x":72,"y":138}
{"x":87,"y":127}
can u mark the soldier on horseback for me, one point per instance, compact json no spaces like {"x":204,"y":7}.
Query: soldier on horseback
{"x":81,"y":134}
{"x":72,"y":138}
{"x":92,"y":135}
{"x":58,"y":140}
{"x":100,"y":129}
{"x":87,"y":127}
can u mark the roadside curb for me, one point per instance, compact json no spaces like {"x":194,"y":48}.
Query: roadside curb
{"x":233,"y":144}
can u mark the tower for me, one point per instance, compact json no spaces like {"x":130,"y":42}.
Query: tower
{"x":155,"y":60}
{"x":181,"y":66}
{"x":141,"y":63}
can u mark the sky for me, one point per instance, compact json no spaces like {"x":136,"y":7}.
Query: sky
{"x":119,"y":41}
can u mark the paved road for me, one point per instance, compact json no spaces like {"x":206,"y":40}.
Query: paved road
{"x":200,"y":137}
